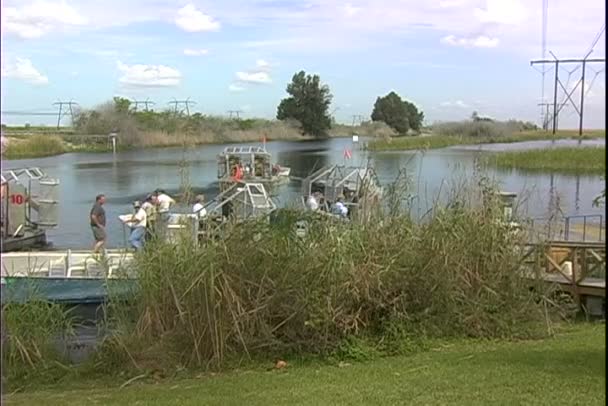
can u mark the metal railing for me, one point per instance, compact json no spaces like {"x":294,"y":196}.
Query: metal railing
{"x":584,"y":227}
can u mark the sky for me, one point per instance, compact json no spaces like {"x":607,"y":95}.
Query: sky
{"x":449,"y":57}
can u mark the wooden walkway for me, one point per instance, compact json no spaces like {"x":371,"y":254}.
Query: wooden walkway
{"x":573,"y":266}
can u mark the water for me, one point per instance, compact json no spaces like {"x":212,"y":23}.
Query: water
{"x":130,"y":175}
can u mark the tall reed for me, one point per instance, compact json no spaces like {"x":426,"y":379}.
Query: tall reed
{"x":266,"y":290}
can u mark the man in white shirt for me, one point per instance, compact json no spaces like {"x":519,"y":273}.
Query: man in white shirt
{"x":138,"y":226}
{"x":164,"y":201}
{"x":199,"y":207}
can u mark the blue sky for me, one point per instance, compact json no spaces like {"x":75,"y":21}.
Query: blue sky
{"x":449,"y":57}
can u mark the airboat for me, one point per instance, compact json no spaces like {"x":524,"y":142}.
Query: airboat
{"x":249,"y":164}
{"x":29,"y":208}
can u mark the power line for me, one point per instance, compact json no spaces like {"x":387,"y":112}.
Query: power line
{"x":596,"y":39}
{"x":68,"y":112}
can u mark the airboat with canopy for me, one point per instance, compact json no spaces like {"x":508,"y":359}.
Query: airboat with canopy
{"x":30,"y":206}
{"x":359,"y":187}
{"x":249,"y":164}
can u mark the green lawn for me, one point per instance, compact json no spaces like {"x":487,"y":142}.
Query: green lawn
{"x":586,"y":160}
{"x":566,"y":370}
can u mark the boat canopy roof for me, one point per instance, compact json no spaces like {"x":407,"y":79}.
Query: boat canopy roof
{"x":15,"y":175}
{"x":248,"y":150}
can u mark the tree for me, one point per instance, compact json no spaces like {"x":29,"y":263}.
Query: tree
{"x":308,"y":104}
{"x":121,"y":105}
{"x":399,"y":114}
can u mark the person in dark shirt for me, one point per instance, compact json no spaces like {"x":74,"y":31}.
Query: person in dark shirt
{"x":98,"y":223}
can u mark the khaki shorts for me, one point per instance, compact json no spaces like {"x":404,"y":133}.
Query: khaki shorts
{"x":98,"y":233}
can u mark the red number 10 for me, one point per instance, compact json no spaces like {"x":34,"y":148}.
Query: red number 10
{"x":17,"y":199}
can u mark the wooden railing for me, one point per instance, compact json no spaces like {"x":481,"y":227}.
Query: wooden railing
{"x":579,"y":265}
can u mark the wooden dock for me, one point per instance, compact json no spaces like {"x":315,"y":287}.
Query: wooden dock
{"x":575,"y":267}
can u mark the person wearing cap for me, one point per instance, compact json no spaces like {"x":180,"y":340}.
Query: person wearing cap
{"x":138,"y":226}
{"x":199,"y":207}
{"x":339,"y":208}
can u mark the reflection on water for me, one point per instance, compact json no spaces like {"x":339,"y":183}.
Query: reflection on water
{"x":131,"y":175}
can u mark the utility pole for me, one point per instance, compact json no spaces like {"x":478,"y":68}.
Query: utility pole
{"x":357,"y":119}
{"x":235,"y":112}
{"x":186,"y":103}
{"x":556,"y":62}
{"x":62,"y":113}
{"x":545,"y":114}
{"x":145,"y":103}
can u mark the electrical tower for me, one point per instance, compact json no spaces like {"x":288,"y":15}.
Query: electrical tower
{"x":235,"y":112}
{"x":557,"y":107}
{"x":357,"y":119}
{"x":145,"y":103}
{"x":180,"y":106}
{"x":67,"y":112}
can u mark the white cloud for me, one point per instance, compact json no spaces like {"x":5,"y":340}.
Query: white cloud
{"x":480,"y":41}
{"x":501,"y":12}
{"x":351,"y":10}
{"x":457,"y":103}
{"x":148,"y":75}
{"x":262,"y":65}
{"x":259,"y":77}
{"x":195,"y":52}
{"x":40,"y":18}
{"x":235,"y":88}
{"x":22,"y":69}
{"x":191,"y":19}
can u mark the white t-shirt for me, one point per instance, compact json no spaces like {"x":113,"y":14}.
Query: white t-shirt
{"x":340,"y":208}
{"x":164,"y":202}
{"x":312,"y":203}
{"x":200,"y":210}
{"x":140,"y":218}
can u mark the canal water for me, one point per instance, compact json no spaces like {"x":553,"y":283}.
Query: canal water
{"x":130,"y":175}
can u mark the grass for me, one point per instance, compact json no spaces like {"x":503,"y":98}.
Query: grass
{"x":35,"y":146}
{"x":575,"y":160}
{"x":565,"y":370}
{"x":442,"y":141}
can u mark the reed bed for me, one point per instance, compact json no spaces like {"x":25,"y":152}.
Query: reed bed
{"x":34,"y":146}
{"x":382,"y":286}
{"x":443,"y":140}
{"x":569,"y":160}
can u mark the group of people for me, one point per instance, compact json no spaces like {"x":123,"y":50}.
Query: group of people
{"x":145,"y":215}
{"x":316,"y":201}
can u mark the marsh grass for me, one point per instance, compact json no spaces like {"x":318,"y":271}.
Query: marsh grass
{"x":265,"y":292}
{"x":443,"y":140}
{"x":30,"y":338}
{"x":35,"y":146}
{"x":569,"y":160}
{"x":344,"y":290}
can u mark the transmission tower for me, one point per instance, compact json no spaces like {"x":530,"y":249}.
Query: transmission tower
{"x":180,"y":106}
{"x":145,"y":103}
{"x":357,"y":119}
{"x":235,"y":112}
{"x":67,"y":112}
{"x":557,"y":107}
